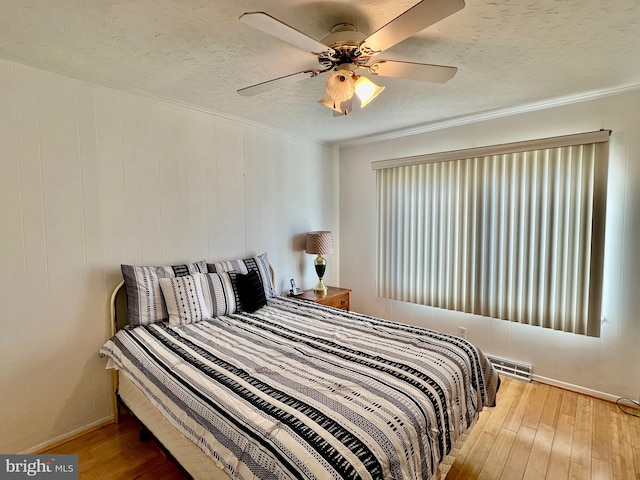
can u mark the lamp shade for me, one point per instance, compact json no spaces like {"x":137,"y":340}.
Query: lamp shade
{"x":366,"y":90}
{"x":319,"y":242}
{"x":329,"y":102}
{"x":340,"y":85}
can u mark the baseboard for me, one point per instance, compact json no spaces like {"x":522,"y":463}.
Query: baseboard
{"x":575,"y":388}
{"x":54,"y":442}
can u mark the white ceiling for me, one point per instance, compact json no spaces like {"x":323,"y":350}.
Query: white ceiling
{"x":509,"y":53}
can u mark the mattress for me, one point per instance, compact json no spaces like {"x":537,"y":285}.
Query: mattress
{"x":299,"y":390}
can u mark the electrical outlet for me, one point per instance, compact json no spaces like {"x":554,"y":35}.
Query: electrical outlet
{"x":462,"y":332}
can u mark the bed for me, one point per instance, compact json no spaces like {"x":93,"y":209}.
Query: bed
{"x":292,"y":388}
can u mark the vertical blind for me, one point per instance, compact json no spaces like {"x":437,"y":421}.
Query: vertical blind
{"x":513,"y":231}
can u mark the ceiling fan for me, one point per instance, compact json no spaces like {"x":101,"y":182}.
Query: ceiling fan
{"x":345,"y":51}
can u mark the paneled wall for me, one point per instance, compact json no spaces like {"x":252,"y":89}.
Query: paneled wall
{"x":92,"y":177}
{"x":608,"y":366}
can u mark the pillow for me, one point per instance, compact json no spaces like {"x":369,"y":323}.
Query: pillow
{"x":145,"y":303}
{"x":184,"y":299}
{"x":251,"y":291}
{"x":219,"y":293}
{"x":244,"y":266}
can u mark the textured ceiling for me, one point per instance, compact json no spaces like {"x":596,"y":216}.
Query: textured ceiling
{"x":509,"y":53}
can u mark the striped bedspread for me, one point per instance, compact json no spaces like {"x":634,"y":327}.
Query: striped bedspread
{"x":299,"y":390}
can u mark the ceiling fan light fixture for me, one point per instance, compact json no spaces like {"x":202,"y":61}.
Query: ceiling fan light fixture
{"x":340,"y":85}
{"x":330,"y":103}
{"x":366,"y":90}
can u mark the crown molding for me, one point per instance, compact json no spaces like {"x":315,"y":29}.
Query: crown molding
{"x":131,"y":90}
{"x":492,"y":114}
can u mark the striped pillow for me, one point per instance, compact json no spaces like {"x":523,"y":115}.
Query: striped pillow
{"x":184,"y":299}
{"x":219,"y":292}
{"x":145,"y":303}
{"x":244,"y":266}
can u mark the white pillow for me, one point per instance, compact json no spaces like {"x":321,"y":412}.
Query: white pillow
{"x":184,"y":299}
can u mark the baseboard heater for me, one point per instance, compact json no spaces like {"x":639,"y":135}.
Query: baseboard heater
{"x":511,"y":367}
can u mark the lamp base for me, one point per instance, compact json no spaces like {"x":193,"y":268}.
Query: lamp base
{"x":320,"y":287}
{"x":321,"y":265}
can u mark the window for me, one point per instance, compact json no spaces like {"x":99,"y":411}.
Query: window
{"x":512,"y":231}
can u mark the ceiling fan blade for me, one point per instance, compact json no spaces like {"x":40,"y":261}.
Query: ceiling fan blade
{"x":417,"y":18}
{"x":416,"y":71}
{"x":275,"y":28}
{"x":276,"y":82}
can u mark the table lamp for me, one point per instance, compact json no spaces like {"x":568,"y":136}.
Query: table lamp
{"x":319,"y":243}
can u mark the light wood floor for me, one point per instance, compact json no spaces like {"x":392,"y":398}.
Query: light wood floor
{"x":115,"y":452}
{"x":535,"y":432}
{"x":541,"y":432}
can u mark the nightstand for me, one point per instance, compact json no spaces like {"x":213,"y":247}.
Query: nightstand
{"x":335,"y":297}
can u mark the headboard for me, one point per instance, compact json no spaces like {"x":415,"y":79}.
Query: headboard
{"x":119,"y":317}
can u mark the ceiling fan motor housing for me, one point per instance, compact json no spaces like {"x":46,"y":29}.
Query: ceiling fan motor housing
{"x":344,"y":47}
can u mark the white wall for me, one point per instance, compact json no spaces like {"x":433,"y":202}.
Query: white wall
{"x":92,"y":177}
{"x":610,"y":364}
